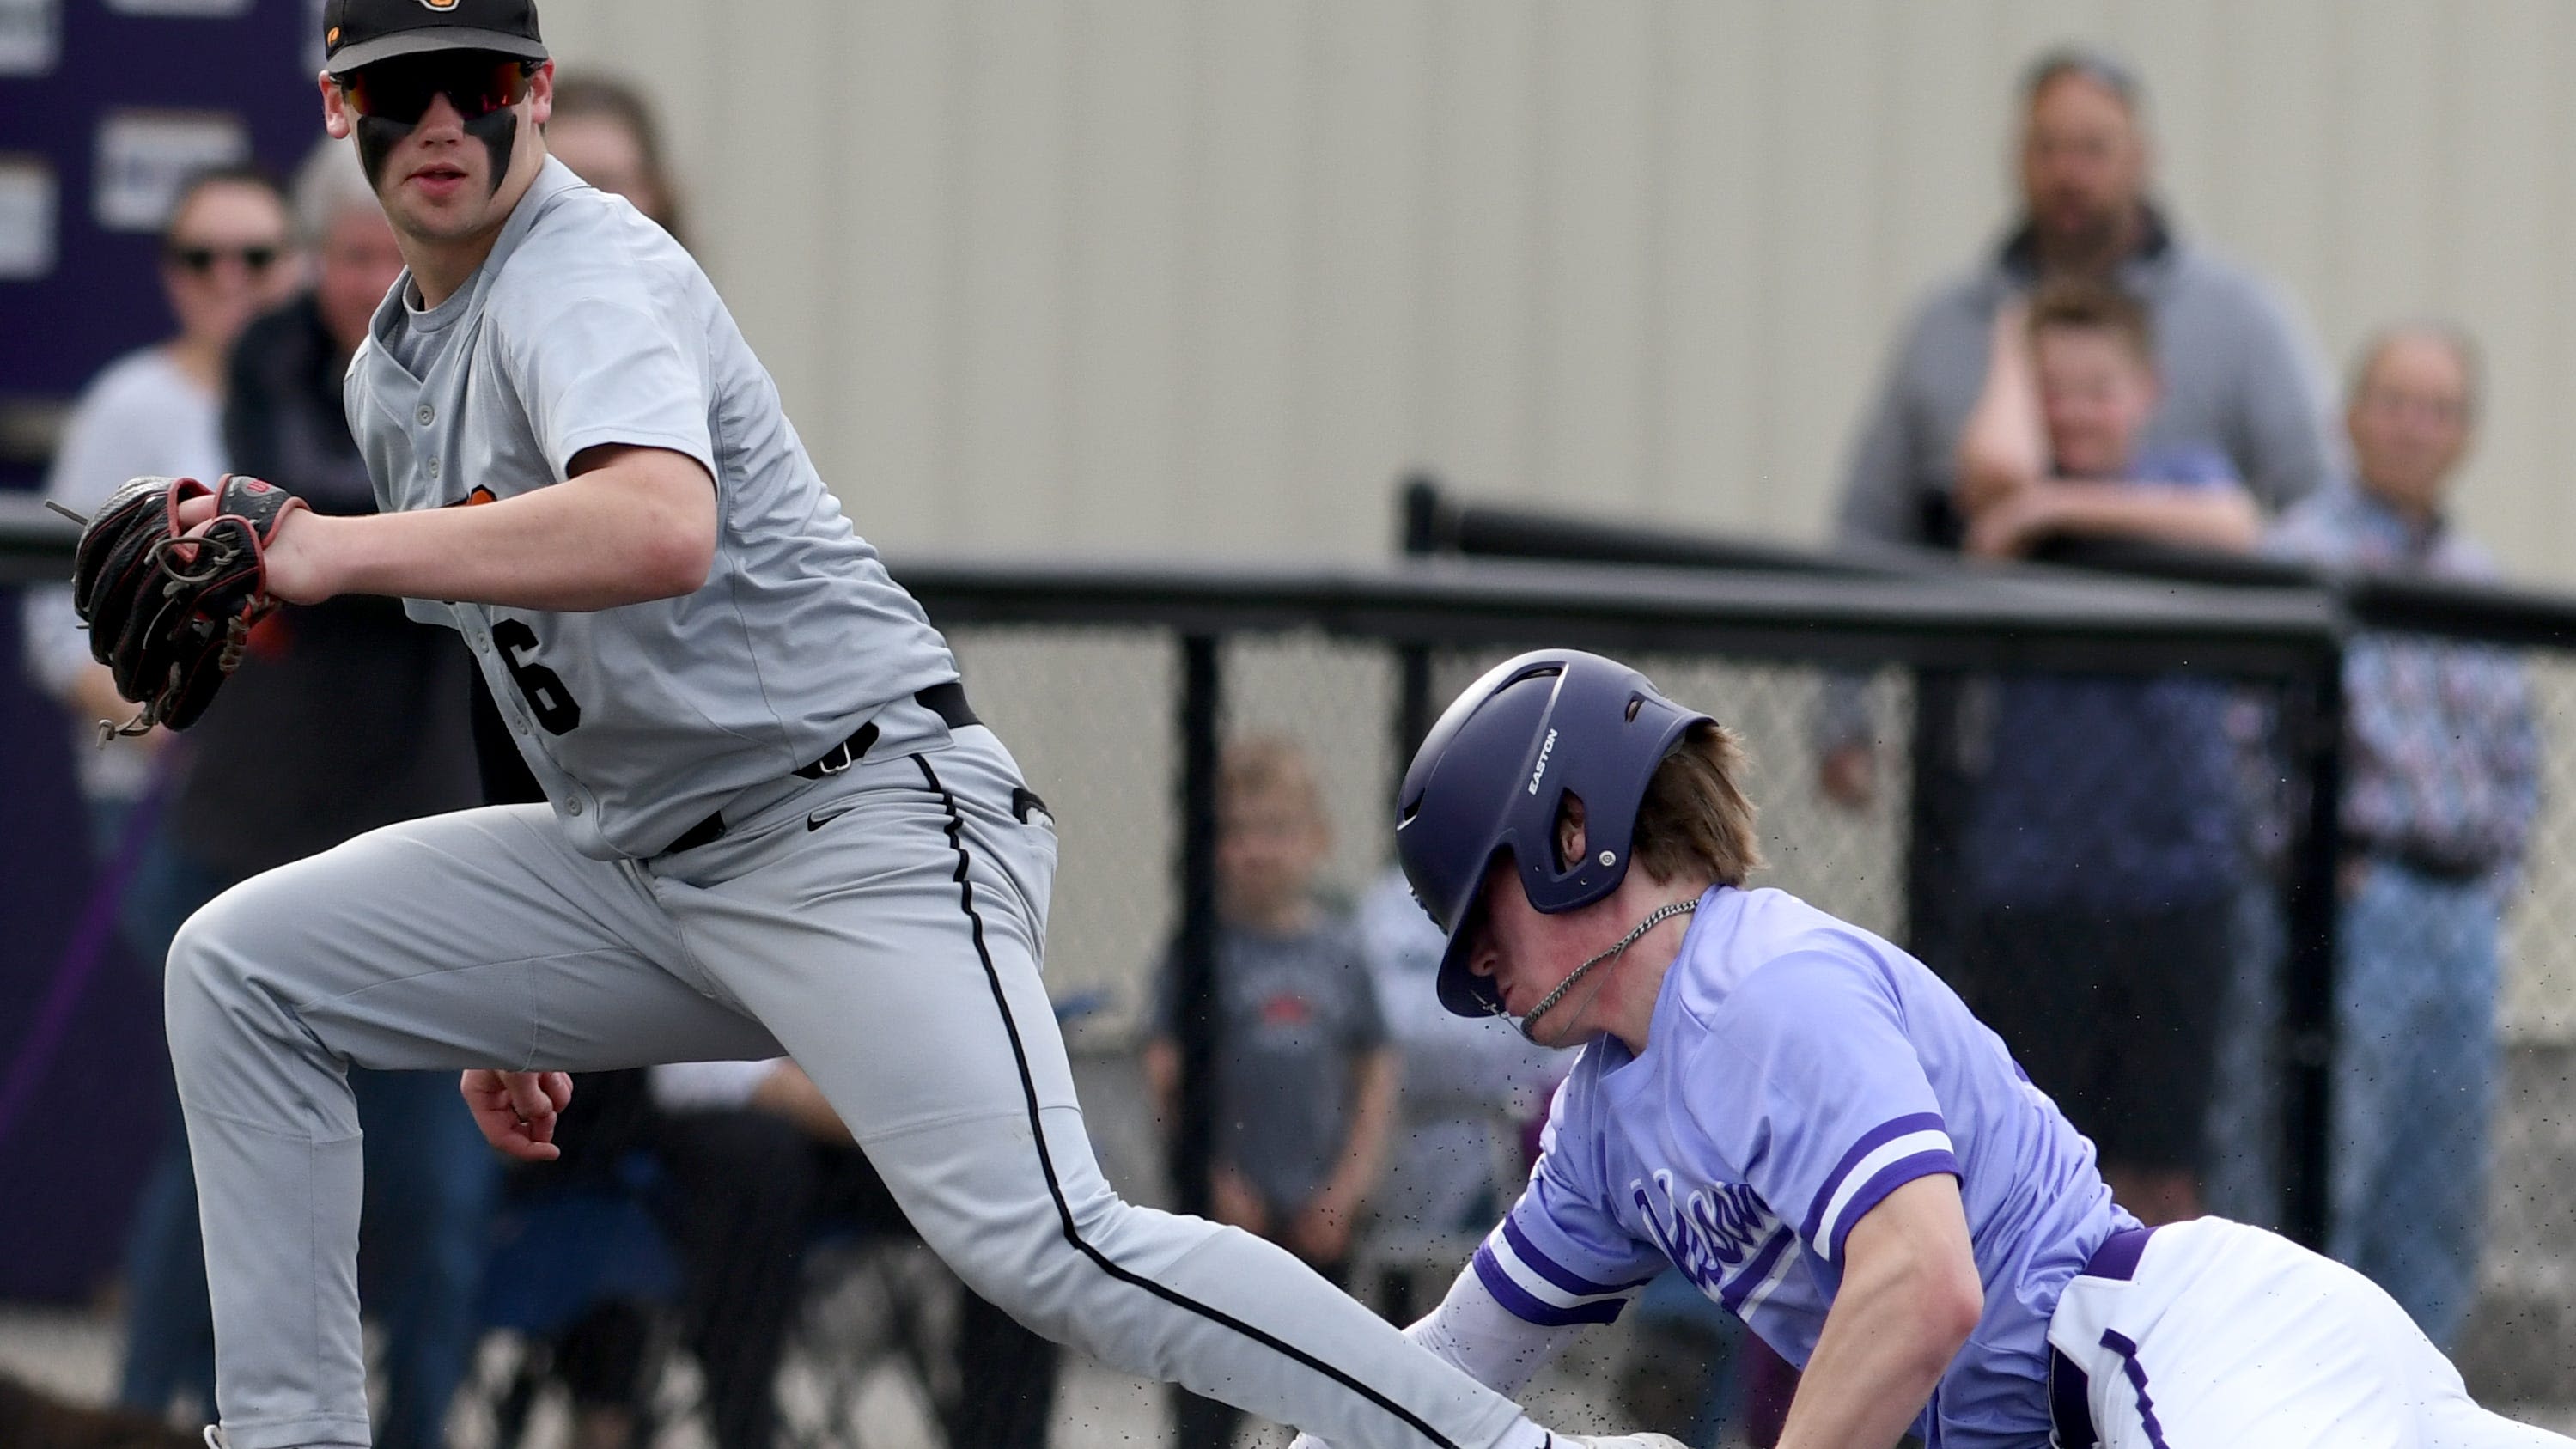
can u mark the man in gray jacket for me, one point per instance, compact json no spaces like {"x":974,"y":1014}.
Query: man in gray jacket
{"x":2236,"y":374}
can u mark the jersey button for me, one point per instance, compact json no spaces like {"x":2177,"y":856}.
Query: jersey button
{"x":433,"y":467}
{"x":428,"y":415}
{"x":572,"y":807}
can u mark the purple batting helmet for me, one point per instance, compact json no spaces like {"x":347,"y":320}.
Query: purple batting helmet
{"x":1492,"y":777}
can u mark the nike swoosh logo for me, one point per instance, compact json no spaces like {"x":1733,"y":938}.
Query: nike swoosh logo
{"x":818,"y":819}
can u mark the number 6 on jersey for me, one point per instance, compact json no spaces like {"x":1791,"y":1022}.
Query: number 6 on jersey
{"x":542,"y":688}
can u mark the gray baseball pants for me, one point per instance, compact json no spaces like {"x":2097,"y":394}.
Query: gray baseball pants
{"x":892,"y":948}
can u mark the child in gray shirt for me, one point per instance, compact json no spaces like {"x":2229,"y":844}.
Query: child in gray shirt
{"x":1306,"y":1073}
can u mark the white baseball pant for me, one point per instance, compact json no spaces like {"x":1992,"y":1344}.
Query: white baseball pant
{"x":2228,"y":1335}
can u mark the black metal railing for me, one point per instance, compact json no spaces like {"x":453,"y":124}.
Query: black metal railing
{"x":1752,"y":605}
{"x":1694,"y":596}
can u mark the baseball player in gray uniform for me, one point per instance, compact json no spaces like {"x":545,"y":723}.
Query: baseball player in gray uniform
{"x":774,"y":827}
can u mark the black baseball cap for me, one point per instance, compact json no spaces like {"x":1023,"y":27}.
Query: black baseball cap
{"x":359,"y":33}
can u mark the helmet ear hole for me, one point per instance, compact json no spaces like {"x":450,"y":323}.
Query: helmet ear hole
{"x":1636,"y":702}
{"x":1566,"y":842}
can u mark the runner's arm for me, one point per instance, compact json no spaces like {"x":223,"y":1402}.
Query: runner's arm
{"x":1909,"y":1298}
{"x":1493,"y":1345}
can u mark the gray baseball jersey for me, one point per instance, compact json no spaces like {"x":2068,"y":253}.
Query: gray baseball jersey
{"x":588,"y":325}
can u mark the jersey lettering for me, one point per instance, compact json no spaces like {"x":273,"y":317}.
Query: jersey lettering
{"x":1707,"y":1233}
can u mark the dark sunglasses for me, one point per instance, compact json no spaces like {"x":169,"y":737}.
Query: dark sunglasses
{"x":202,"y":260}
{"x":401,"y":89}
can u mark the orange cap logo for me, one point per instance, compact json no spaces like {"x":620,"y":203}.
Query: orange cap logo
{"x":332,"y":36}
{"x":440,"y":5}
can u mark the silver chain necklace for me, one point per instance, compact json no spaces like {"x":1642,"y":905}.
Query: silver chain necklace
{"x":1654,"y":918}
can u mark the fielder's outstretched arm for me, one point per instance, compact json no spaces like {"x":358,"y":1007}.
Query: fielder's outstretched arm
{"x":630,"y":525}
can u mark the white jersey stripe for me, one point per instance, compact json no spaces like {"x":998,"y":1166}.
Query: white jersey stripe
{"x":1829,"y":1226}
{"x":1535,"y":1284}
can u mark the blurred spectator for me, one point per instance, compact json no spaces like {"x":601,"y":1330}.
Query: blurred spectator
{"x":371,"y":708}
{"x":1468,"y":1083}
{"x":227,"y":254}
{"x":1305,"y":1074}
{"x":2102,"y":841}
{"x":740,"y":1167}
{"x":581,"y":1267}
{"x":2235,"y":375}
{"x":605,"y":131}
{"x":759,"y":1163}
{"x":2053,"y":447}
{"x":2441,"y":784}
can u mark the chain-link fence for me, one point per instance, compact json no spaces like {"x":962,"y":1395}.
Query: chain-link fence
{"x":2400,"y":1099}
{"x":2009,"y":776}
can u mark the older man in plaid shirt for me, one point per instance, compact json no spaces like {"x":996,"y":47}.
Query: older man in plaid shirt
{"x":2442,"y":784}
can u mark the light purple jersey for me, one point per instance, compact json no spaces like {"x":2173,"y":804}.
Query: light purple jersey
{"x":1798,"y":1070}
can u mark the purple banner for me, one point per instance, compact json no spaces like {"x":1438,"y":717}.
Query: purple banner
{"x":100,"y":101}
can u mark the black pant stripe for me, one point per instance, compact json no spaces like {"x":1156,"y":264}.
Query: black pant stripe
{"x":1046,"y":1162}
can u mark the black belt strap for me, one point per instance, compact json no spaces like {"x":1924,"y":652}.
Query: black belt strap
{"x":948,"y":701}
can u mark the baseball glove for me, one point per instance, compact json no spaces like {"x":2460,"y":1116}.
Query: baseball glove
{"x":169,"y":615}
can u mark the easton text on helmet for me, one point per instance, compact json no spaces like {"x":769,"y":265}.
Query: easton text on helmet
{"x":1540,"y":771}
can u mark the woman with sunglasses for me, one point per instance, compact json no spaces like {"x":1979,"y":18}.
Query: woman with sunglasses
{"x":227,"y":255}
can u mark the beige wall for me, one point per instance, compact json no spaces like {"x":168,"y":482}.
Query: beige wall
{"x":1190,"y":275}
{"x":1166,"y":274}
